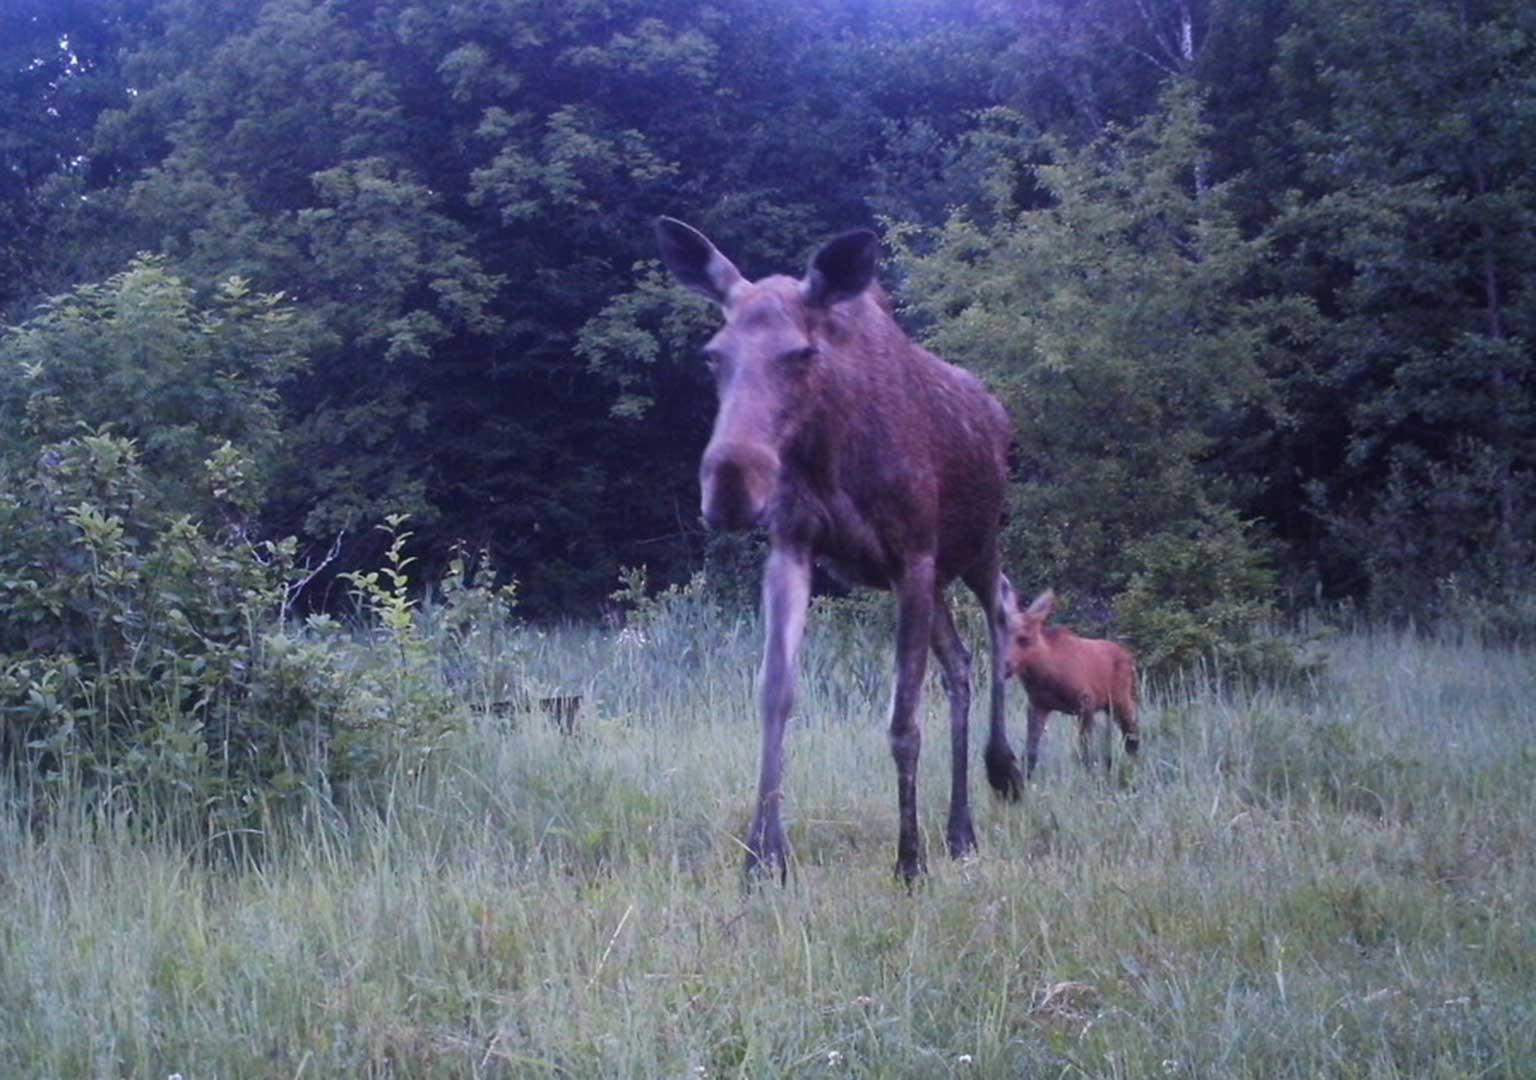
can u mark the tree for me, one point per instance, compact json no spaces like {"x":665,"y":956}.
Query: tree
{"x":1115,"y":323}
{"x":1412,"y":229}
{"x":141,"y":357}
{"x":58,"y":73}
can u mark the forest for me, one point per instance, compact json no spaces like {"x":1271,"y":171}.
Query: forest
{"x":373,"y":701}
{"x":1253,"y":276}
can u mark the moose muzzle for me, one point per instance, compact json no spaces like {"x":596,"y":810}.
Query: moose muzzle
{"x":737,"y":481}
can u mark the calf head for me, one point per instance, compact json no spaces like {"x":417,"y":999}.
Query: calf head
{"x":1026,"y":628}
{"x":767,"y":361}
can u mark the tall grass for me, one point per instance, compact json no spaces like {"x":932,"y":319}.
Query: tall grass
{"x":1335,"y":882}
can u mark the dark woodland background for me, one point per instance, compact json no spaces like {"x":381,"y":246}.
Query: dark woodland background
{"x":1253,"y":276}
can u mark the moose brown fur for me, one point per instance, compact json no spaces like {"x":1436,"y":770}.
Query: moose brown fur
{"x":859,"y":451}
{"x":1062,"y":672}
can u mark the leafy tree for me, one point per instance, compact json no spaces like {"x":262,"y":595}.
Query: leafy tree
{"x":1411,"y":227}
{"x":140,"y":356}
{"x":457,"y":200}
{"x":1115,"y":323}
{"x":58,"y":72}
{"x":450,"y":194}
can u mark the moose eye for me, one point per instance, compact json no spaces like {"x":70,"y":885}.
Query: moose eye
{"x":800,"y":357}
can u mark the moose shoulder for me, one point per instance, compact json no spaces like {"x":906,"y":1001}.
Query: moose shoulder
{"x":854,"y":447}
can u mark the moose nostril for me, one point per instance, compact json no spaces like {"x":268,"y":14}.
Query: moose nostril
{"x":728,"y":513}
{"x":736,"y":481}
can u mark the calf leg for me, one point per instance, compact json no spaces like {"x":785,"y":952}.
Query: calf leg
{"x":1032,"y":740}
{"x":914,"y":630}
{"x":1085,"y":723}
{"x":1123,"y":704}
{"x":786,"y":593}
{"x":1125,"y":716}
{"x":955,"y":665}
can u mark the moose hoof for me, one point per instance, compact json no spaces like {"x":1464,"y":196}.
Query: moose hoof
{"x":962,"y":842}
{"x":909,"y":873}
{"x":763,"y":861}
{"x":1004,"y":777}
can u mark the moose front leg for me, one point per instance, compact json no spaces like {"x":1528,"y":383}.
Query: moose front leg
{"x":914,"y":629}
{"x":786,"y":593}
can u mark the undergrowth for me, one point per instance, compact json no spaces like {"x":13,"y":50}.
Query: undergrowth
{"x":1321,"y":881}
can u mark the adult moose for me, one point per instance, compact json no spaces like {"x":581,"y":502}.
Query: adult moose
{"x":857,"y":449}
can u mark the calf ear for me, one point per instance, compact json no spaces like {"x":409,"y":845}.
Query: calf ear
{"x":1043,"y":605}
{"x":842,"y":269}
{"x":1007,"y":598}
{"x":694,"y":261}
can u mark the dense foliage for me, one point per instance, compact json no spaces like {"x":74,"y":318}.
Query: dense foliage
{"x":1254,"y":277}
{"x":149,"y":650}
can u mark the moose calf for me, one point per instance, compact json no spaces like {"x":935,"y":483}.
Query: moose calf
{"x":1062,"y":672}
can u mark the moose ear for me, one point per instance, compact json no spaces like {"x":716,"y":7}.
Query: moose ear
{"x":694,"y":261}
{"x":842,"y":269}
{"x":1043,"y":605}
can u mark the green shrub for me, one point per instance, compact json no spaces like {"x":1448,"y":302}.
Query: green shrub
{"x":1434,"y":552}
{"x":1201,"y":594}
{"x":147,"y":654}
{"x":130,"y":637}
{"x":147,"y":660}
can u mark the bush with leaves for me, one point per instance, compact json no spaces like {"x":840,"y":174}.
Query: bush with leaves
{"x":144,"y":356}
{"x":131,"y":638}
{"x":1202,"y":595}
{"x":145,"y":649}
{"x":147,"y":659}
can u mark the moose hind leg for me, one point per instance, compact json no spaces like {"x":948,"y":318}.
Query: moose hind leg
{"x":1003,"y":773}
{"x":1085,"y":724}
{"x":955,"y":667}
{"x":1129,"y":732}
{"x":1126,"y":719}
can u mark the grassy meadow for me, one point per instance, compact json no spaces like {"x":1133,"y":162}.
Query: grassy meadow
{"x":1335,"y":880}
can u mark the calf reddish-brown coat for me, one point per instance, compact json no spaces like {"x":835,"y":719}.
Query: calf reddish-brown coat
{"x":860,"y":451}
{"x":1062,"y":672}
